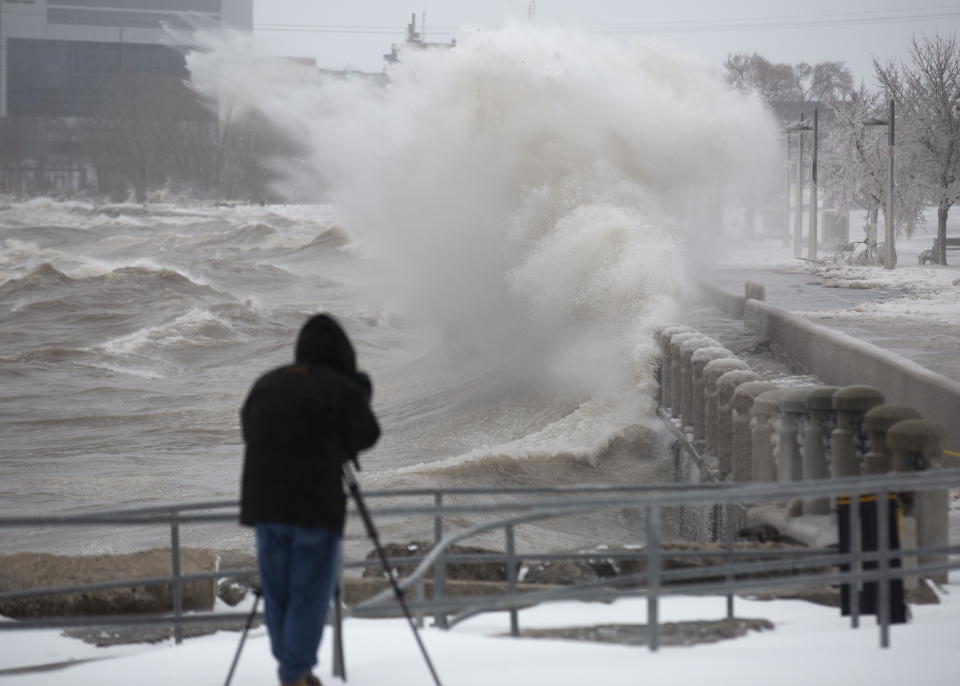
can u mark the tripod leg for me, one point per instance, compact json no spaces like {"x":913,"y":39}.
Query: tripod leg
{"x":372,"y":533}
{"x":243,"y":637}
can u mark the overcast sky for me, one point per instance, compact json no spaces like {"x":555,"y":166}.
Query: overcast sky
{"x":356,"y":34}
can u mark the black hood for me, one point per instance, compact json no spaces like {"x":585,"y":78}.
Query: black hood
{"x":322,"y":341}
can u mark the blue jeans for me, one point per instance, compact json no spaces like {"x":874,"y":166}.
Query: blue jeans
{"x":298,"y":573}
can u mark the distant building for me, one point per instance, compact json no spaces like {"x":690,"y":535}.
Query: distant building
{"x":59,"y":57}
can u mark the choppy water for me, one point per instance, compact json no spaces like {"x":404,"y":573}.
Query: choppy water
{"x":130,"y":338}
{"x":501,"y":228}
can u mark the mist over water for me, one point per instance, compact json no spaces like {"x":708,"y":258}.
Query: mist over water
{"x":499,"y":227}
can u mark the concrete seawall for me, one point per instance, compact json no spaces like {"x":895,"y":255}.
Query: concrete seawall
{"x":839,"y":359}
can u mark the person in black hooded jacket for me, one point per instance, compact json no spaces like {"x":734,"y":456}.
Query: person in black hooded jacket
{"x":301,"y":422}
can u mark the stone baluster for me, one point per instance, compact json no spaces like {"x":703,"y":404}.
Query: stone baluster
{"x":763,"y":434}
{"x":816,"y":433}
{"x":699,"y":360}
{"x":793,"y":407}
{"x":741,"y":406}
{"x":711,"y":372}
{"x":663,"y":340}
{"x":726,"y":385}
{"x":687,"y":348}
{"x":849,"y":405}
{"x":676,"y":378}
{"x":876,"y":422}
{"x":915,"y":445}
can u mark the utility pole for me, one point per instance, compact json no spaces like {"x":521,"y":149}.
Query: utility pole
{"x":812,"y":228}
{"x":889,"y":255}
{"x":798,"y":210}
{"x":786,"y":209}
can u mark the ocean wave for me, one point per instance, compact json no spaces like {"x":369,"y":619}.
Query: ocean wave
{"x":595,"y":429}
{"x":198,"y":328}
{"x":39,"y":279}
{"x":331,"y":237}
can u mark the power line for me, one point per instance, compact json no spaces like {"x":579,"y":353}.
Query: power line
{"x":807,"y":21}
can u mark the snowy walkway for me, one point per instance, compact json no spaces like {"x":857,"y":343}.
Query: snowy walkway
{"x":912,"y":311}
{"x":810,"y":644}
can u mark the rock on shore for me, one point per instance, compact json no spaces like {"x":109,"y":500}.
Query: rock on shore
{"x":27,"y":571}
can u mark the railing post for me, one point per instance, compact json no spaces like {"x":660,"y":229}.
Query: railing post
{"x":512,"y":577}
{"x":883,"y":548}
{"x":676,"y":373}
{"x":856,"y":563}
{"x":875,"y":423}
{"x":915,"y":444}
{"x":177,"y":590}
{"x":712,"y":371}
{"x":741,"y":406}
{"x":729,"y":525}
{"x":440,"y":567}
{"x":850,"y":404}
{"x":699,"y":361}
{"x":687,"y":385}
{"x":666,"y":366}
{"x":793,"y":405}
{"x":653,"y":577}
{"x":419,"y":597}
{"x":816,"y":434}
{"x":726,"y":386}
{"x":766,"y":408}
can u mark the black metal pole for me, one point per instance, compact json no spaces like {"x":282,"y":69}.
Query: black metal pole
{"x":354,"y":488}
{"x":243,"y":638}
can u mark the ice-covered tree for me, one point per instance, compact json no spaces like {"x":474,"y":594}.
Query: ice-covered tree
{"x":927,"y":92}
{"x":854,"y":161}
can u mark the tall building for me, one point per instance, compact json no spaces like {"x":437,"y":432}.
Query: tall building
{"x":58,"y":58}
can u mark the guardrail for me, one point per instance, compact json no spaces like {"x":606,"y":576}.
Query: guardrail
{"x":738,"y":571}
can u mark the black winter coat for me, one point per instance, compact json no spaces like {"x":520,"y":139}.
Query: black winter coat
{"x":300,"y":423}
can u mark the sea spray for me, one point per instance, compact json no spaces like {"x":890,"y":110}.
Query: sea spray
{"x":524,"y":193}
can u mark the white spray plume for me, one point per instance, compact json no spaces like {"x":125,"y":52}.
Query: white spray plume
{"x":520,"y":187}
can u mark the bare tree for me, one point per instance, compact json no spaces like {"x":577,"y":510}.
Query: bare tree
{"x":928,"y":94}
{"x":825,"y":81}
{"x":830,"y":82}
{"x":753,"y":72}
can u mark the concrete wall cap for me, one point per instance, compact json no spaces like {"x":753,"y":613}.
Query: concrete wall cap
{"x":682,"y":338}
{"x":663,"y":335}
{"x":857,"y":398}
{"x":730,"y":380}
{"x":745,"y":394}
{"x":914,"y":435}
{"x":795,"y":399}
{"x":882,"y":417}
{"x":714,"y":369}
{"x":688,"y":347}
{"x":703,"y":355}
{"x":768,"y":402}
{"x":754,"y":388}
{"x":820,"y":399}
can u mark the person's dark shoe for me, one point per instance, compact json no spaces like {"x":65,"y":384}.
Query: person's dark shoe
{"x":313,"y":680}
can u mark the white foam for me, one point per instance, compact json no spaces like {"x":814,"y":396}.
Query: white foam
{"x":184,"y":330}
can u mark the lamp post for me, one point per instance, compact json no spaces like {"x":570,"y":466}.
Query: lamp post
{"x":889,"y":253}
{"x":800,"y":127}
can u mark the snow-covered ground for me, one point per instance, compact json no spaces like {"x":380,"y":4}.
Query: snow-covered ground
{"x":930,"y":292}
{"x":810,"y":644}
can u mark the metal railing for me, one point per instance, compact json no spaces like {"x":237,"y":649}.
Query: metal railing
{"x":737,"y":570}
